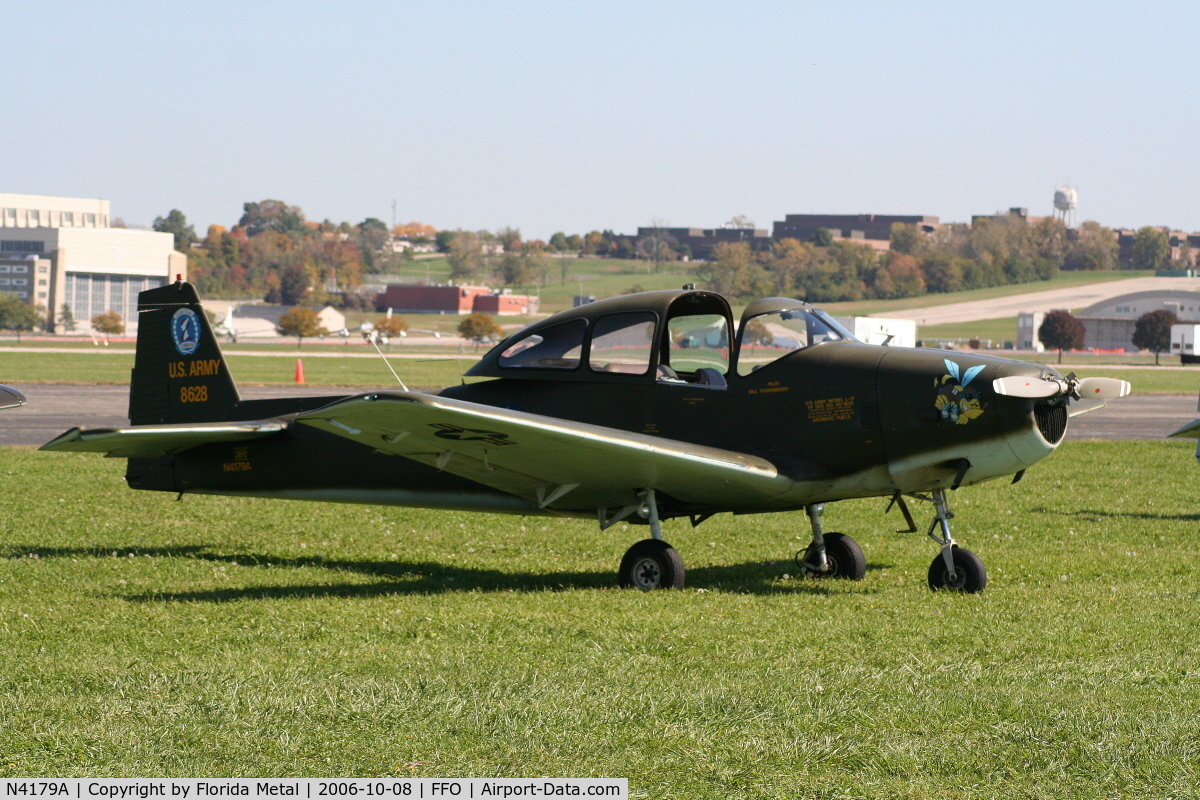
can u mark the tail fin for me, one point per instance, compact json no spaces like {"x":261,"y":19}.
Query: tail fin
{"x":179,"y":374}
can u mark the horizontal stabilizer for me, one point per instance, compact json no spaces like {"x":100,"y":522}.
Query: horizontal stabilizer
{"x":554,"y":462}
{"x":153,"y":441}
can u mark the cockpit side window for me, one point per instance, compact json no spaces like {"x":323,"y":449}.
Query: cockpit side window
{"x":768,"y":337}
{"x":699,"y":341}
{"x":556,"y":347}
{"x":622,"y":342}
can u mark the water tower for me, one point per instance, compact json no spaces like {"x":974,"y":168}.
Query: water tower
{"x":1065,"y":201}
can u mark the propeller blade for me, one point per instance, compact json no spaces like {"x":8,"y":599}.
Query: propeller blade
{"x":1101,"y":388}
{"x":1024,"y":386}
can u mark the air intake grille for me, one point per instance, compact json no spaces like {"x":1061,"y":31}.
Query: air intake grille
{"x":1051,"y":420}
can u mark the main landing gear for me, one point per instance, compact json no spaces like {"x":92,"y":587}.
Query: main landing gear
{"x":830,"y":555}
{"x":651,"y":563}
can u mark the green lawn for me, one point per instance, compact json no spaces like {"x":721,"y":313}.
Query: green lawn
{"x":998,"y":331}
{"x":236,"y":637}
{"x":431,"y":372}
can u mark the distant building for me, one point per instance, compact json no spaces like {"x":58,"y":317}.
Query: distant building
{"x":1109,"y":324}
{"x":74,"y":257}
{"x":878,"y":330}
{"x":1028,"y":325}
{"x":19,"y":276}
{"x":872,"y":229}
{"x":451,"y":299}
{"x":701,"y":241}
{"x":1126,"y":237}
{"x":261,"y":320}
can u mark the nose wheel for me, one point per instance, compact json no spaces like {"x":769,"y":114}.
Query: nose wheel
{"x":969,"y":575}
{"x":955,"y":568}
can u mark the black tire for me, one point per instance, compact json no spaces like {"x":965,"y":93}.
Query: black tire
{"x":651,"y":564}
{"x":844,"y":557}
{"x":970,"y":575}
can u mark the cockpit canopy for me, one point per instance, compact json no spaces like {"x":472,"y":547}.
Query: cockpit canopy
{"x":673,"y":336}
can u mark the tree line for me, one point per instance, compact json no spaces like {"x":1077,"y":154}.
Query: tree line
{"x":275,"y":253}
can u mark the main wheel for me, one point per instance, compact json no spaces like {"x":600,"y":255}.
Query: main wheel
{"x":651,"y":564}
{"x":844,"y":557}
{"x":969,"y":574}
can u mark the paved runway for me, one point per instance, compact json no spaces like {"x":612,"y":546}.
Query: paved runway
{"x":53,"y":408}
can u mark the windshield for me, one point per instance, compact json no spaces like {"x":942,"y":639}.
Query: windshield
{"x":769,"y":337}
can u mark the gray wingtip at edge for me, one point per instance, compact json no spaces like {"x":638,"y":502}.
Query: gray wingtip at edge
{"x":10,"y":397}
{"x":1189,"y":431}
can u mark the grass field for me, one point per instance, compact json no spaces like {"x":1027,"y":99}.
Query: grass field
{"x":427,"y":372}
{"x":235,"y":637}
{"x":437,"y":371}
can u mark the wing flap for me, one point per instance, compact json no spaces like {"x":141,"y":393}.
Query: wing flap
{"x":153,"y":441}
{"x":554,"y":462}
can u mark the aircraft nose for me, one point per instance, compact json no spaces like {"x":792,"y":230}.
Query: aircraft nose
{"x":1032,"y":425}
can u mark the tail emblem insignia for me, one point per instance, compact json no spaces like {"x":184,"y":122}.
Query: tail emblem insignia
{"x":185,"y":331}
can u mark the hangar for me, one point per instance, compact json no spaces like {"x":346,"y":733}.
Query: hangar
{"x":66,"y":251}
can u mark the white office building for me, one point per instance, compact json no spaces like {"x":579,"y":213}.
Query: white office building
{"x":71,"y":256}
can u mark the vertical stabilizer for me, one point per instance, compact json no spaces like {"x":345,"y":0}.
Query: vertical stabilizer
{"x":179,"y":374}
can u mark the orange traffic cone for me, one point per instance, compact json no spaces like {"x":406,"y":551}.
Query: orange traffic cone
{"x":299,"y":371}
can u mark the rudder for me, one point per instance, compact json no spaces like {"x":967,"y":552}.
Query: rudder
{"x":179,"y":373}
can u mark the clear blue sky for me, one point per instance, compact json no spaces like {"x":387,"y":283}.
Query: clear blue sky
{"x":572,"y":116}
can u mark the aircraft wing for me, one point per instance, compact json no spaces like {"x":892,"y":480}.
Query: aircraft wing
{"x":554,"y":462}
{"x":153,"y":441}
{"x":1189,"y":431}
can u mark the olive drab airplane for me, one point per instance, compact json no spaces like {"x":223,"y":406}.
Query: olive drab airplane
{"x":640,"y":408}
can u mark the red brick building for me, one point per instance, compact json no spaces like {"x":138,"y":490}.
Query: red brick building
{"x":420,"y":299}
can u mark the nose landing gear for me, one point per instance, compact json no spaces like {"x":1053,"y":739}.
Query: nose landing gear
{"x":955,"y":568}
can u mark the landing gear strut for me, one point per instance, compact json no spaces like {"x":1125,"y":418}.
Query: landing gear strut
{"x":651,"y":563}
{"x":831,"y":555}
{"x":955,"y":568}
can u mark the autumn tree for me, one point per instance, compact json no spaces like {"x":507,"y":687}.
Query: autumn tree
{"x":66,"y":318}
{"x":942,"y":271}
{"x":176,"y":223}
{"x":391,"y":327}
{"x":301,"y":323}
{"x":1060,"y":330}
{"x":906,"y":238}
{"x":900,"y":276}
{"x":521,"y":265}
{"x":734,"y":271}
{"x":479,"y":328}
{"x":1093,"y":248}
{"x":109,"y":323}
{"x":274,"y":215}
{"x":17,"y":315}
{"x":1152,"y":331}
{"x":790,"y":259}
{"x":657,"y":246}
{"x":1151,"y":249}
{"x":466,"y":256}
